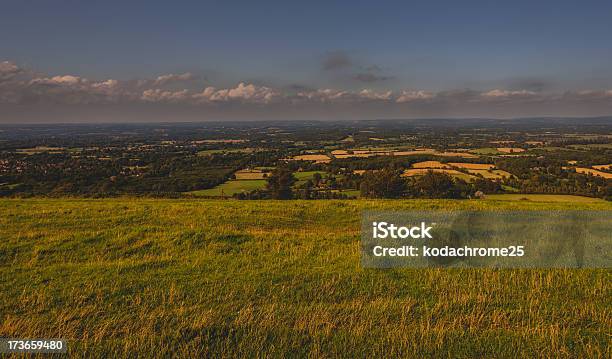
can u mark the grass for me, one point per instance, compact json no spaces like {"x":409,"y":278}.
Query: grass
{"x":306,"y":175}
{"x":454,"y":173}
{"x":231,"y":187}
{"x":544,"y":198}
{"x":199,"y":278}
{"x":491,"y":174}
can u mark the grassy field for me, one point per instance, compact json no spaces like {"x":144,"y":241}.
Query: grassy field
{"x":230,"y":187}
{"x":544,"y":198}
{"x":196,"y":278}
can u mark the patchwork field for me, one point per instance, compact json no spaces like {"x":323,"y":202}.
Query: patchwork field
{"x":201,"y":278}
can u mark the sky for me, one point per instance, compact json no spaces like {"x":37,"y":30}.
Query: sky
{"x":134,"y":61}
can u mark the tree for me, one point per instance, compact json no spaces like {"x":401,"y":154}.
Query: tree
{"x":438,"y":185}
{"x":280,"y":182}
{"x":385,"y":183}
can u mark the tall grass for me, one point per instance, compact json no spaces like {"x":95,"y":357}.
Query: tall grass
{"x":270,"y":278}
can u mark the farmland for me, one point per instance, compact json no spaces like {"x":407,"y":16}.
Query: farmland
{"x":218,"y":159}
{"x":229,"y":278}
{"x":231,"y":187}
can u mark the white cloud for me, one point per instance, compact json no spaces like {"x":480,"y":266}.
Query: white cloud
{"x":172,"y":78}
{"x":19,"y":85}
{"x":8,"y":71}
{"x":409,"y":96}
{"x":241,"y":93}
{"x":505,"y":93}
{"x":158,"y":95}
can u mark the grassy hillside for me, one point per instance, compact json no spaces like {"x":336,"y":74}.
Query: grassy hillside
{"x":194,"y":278}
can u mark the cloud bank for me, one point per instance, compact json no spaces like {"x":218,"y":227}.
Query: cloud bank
{"x":22,"y":89}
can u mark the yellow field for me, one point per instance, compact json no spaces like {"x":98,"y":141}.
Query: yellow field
{"x":492,"y":174}
{"x":430,"y":164}
{"x":593,"y":172}
{"x":249,"y":175}
{"x":317,"y":158}
{"x":602,"y":167}
{"x":472,"y":166}
{"x":544,"y":198}
{"x":421,"y":171}
{"x":434,"y":153}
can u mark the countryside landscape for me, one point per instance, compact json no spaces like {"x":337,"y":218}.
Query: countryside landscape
{"x":306,"y":179}
{"x":485,"y":159}
{"x":176,"y":241}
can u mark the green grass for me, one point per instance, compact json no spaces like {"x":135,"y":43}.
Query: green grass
{"x":231,"y":187}
{"x":198,"y":278}
{"x":544,"y":198}
{"x":306,"y":175}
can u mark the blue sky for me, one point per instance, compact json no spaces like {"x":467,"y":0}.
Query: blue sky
{"x":434,"y":46}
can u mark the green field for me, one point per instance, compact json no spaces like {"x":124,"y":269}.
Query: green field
{"x":230,"y":187}
{"x":544,"y":198}
{"x":306,"y":175}
{"x":227,"y":278}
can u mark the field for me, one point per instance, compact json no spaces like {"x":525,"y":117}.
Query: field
{"x":430,"y":164}
{"x":232,"y":278}
{"x":544,"y":198}
{"x":593,"y":172}
{"x":510,"y":149}
{"x":316,"y":158}
{"x":421,"y":171}
{"x":230,"y":187}
{"x":486,"y":151}
{"x":249,"y":174}
{"x":603,"y":167}
{"x":491,"y":174}
{"x":473,"y":166}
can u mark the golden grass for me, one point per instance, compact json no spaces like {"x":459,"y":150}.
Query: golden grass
{"x":593,"y":172}
{"x":472,"y":166}
{"x":602,"y":167}
{"x":249,"y":174}
{"x":421,"y":171}
{"x":191,"y":278}
{"x":317,"y":158}
{"x":491,"y":174}
{"x":430,"y":164}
